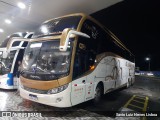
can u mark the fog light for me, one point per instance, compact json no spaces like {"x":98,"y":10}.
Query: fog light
{"x":59,"y":100}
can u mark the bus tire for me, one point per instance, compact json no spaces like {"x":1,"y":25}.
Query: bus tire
{"x":132,"y":82}
{"x":98,"y":94}
{"x":128,"y":83}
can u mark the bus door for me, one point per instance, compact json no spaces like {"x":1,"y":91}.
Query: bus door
{"x":78,"y":91}
{"x":79,"y":79}
{"x":84,"y":71}
{"x":82,"y":89}
{"x":90,"y":59}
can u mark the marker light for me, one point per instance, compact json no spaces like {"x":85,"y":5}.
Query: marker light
{"x":8,"y":21}
{"x":92,"y":67}
{"x":21,"y":5}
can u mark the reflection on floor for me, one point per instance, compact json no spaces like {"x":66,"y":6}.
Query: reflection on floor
{"x":11,"y":101}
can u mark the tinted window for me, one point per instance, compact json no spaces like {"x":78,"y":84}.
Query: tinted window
{"x":46,"y":61}
{"x":101,"y":41}
{"x":84,"y":58}
{"x":56,"y":26}
{"x":6,"y":63}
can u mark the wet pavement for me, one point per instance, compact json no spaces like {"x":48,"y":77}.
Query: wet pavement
{"x":111,"y":104}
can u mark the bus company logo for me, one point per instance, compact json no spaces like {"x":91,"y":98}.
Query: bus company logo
{"x":35,"y":77}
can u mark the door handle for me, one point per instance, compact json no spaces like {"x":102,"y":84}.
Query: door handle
{"x":83,"y":81}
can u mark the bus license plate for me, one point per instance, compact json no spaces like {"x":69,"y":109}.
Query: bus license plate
{"x":33,"y":97}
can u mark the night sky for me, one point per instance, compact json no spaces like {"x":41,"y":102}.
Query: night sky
{"x":137,"y":24}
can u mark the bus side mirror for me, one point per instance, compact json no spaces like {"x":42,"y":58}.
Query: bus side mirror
{"x":9,"y":45}
{"x":3,"y":53}
{"x":67,"y":32}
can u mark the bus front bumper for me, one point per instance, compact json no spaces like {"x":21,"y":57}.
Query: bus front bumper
{"x":61,"y":99}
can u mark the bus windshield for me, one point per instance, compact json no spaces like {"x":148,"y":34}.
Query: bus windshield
{"x":6,"y":63}
{"x":45,"y":58}
{"x":56,"y":26}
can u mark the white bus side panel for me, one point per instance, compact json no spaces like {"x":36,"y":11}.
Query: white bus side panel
{"x":78,"y":90}
{"x":113,"y":72}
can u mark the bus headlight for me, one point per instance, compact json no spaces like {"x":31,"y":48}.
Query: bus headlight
{"x":57,"y":90}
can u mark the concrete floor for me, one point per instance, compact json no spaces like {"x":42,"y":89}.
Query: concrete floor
{"x":110,"y":104}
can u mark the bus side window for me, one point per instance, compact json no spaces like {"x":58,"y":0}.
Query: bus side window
{"x":79,"y":66}
{"x":91,"y":57}
{"x":84,"y":58}
{"x":19,"y":58}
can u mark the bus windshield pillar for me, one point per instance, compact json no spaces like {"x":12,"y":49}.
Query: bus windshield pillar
{"x":66,"y":35}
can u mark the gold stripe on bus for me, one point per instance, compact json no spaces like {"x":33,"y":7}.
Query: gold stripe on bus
{"x":40,"y":85}
{"x":65,"y":80}
{"x":75,"y":14}
{"x":84,"y":17}
{"x":72,"y":60}
{"x":45,"y":85}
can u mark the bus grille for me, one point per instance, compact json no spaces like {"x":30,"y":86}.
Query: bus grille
{"x":35,"y":90}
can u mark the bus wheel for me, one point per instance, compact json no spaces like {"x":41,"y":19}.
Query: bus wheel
{"x":128,"y":83}
{"x":98,"y":94}
{"x":131,"y":82}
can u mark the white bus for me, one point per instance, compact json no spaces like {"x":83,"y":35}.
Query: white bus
{"x":9,"y":62}
{"x":73,"y":59}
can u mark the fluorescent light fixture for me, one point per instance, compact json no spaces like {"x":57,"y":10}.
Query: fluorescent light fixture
{"x":1,"y":30}
{"x":8,"y":21}
{"x":21,"y":5}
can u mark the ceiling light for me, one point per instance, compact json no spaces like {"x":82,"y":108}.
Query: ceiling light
{"x":8,"y":21}
{"x":44,"y":29}
{"x":21,"y":5}
{"x":1,"y":30}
